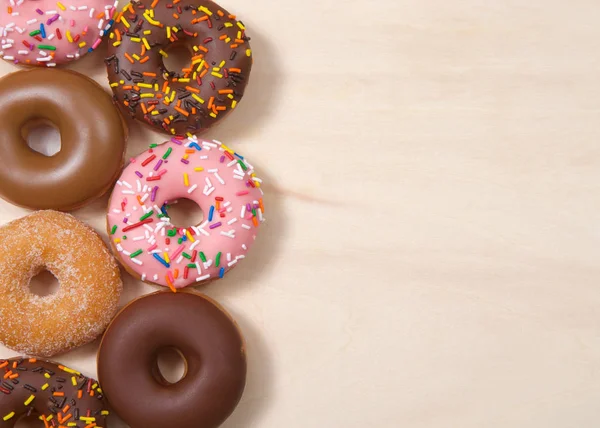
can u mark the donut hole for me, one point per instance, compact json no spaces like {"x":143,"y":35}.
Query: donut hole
{"x":179,"y":56}
{"x":42,"y":137}
{"x":185,"y":213}
{"x":44,"y":284}
{"x":171,"y":366}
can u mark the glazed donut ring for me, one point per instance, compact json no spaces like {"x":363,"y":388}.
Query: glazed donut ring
{"x":92,"y":140}
{"x":220,"y":181}
{"x":60,"y":396}
{"x":88,"y":276}
{"x":178,"y":102}
{"x":206,"y":337}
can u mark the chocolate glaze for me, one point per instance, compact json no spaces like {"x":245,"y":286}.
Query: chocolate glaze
{"x":56,"y":394}
{"x":92,"y":140}
{"x":206,"y":337}
{"x":192,"y":23}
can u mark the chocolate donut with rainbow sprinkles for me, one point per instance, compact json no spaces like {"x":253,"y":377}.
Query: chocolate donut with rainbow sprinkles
{"x":186,"y":101}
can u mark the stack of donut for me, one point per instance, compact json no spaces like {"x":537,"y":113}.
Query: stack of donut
{"x":93,"y":127}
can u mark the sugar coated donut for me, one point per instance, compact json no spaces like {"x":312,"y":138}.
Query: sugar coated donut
{"x":92,"y":139}
{"x":50,"y":32}
{"x":219,"y":180}
{"x":57,"y":395}
{"x":178,"y":102}
{"x":205,"y":336}
{"x":89,"y":284}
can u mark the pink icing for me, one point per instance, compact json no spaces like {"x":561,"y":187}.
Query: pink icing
{"x":158,"y":176}
{"x":30,"y":29}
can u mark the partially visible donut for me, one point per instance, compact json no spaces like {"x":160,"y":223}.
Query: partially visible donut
{"x":178,"y":102}
{"x":205,"y":336}
{"x":89,"y":284}
{"x":92,"y":134}
{"x":49,"y":32}
{"x":58,"y":395}
{"x":224,"y":185}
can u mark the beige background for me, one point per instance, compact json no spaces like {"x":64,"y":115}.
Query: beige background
{"x":431,"y":252}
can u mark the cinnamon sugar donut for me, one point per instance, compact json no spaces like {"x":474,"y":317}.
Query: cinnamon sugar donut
{"x":88,"y":277}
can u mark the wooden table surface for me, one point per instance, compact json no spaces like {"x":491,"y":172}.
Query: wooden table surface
{"x":430,"y":257}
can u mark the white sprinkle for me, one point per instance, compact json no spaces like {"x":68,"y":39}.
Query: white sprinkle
{"x":116,"y":211}
{"x":243,"y":213}
{"x":198,"y":267}
{"x":136,"y":261}
{"x":7,"y":46}
{"x":238,"y":177}
{"x":206,"y":143}
{"x":127,"y":253}
{"x":51,"y":36}
{"x":233,"y":220}
{"x":226,"y":204}
{"x":72,"y":7}
{"x":127,"y":184}
{"x":155,"y":277}
{"x":119,"y":182}
{"x":51,"y":12}
{"x":139,"y":238}
{"x":194,"y":244}
{"x":208,"y":182}
{"x":245,"y":226}
{"x":139,"y":185}
{"x":143,"y":198}
{"x":219,"y":178}
{"x":119,"y":248}
{"x":260,"y":215}
{"x":213,"y":170}
{"x":23,"y":52}
{"x":128,"y":192}
{"x":228,"y":235}
{"x":233,"y":162}
{"x":100,"y":23}
{"x":229,"y":209}
{"x":155,"y":251}
{"x":32,"y":21}
{"x":228,"y":257}
{"x":145,"y":189}
{"x":191,"y":189}
{"x":244,"y":246}
{"x":240,"y":257}
{"x":202,"y":278}
{"x":20,"y":30}
{"x":82,"y":8}
{"x":231,"y":263}
{"x":203,"y":157}
{"x":143,"y":277}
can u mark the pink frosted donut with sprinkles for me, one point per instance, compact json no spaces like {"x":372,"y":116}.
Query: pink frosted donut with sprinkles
{"x":47,"y":33}
{"x":220,"y":181}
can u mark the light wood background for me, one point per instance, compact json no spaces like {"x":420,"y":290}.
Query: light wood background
{"x":431,"y":257}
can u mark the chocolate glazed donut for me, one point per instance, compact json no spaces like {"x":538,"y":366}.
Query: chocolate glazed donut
{"x":204,"y":335}
{"x":92,"y":135}
{"x":184,"y":101}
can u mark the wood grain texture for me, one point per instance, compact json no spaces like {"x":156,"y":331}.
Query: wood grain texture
{"x":431,"y":253}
